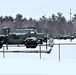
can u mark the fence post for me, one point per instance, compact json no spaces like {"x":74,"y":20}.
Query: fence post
{"x":3,"y":52}
{"x":59,"y":52}
{"x":46,"y":44}
{"x":40,"y":51}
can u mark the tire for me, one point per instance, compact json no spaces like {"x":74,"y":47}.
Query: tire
{"x":0,"y":45}
{"x":27,"y":46}
{"x":30,"y":43}
{"x":34,"y":46}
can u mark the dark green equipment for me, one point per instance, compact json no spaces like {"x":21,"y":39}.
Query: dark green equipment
{"x":27,"y":36}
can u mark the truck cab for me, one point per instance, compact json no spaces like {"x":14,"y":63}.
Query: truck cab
{"x":3,"y":35}
{"x":5,"y":31}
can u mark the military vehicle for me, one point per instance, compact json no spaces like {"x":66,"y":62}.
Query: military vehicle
{"x":22,"y":36}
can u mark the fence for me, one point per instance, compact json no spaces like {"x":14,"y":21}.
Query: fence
{"x":39,"y":51}
{"x":25,"y":51}
{"x":59,"y":45}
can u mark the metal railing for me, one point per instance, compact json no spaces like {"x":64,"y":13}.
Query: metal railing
{"x":59,"y":47}
{"x":38,"y":51}
{"x":26,"y":51}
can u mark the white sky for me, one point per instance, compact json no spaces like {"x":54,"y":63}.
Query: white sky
{"x":37,"y":8}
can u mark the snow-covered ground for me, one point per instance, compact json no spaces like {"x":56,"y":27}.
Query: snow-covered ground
{"x":30,"y":63}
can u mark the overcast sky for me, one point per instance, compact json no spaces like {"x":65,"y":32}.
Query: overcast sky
{"x":37,"y":8}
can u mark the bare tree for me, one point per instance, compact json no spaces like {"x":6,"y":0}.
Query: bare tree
{"x":18,"y":21}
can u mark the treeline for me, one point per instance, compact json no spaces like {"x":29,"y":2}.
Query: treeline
{"x":55,"y":25}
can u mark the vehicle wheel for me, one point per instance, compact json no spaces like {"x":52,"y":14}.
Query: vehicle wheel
{"x":27,"y":46}
{"x":33,"y":46}
{"x":0,"y":45}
